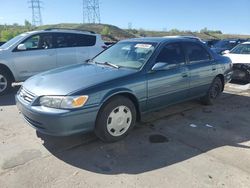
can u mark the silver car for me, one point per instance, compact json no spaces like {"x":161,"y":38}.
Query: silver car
{"x":37,"y":51}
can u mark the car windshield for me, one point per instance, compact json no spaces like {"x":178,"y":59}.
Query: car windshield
{"x":241,"y":49}
{"x":12,"y":41}
{"x":127,"y":54}
{"x":225,"y":44}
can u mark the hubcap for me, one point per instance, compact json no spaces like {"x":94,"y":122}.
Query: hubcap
{"x":3,"y":83}
{"x":215,"y":91}
{"x":119,"y":121}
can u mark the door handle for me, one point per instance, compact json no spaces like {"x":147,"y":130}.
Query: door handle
{"x":213,"y":68}
{"x":184,"y":75}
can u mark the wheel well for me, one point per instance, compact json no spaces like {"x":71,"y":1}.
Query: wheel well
{"x":133,"y":99}
{"x":5,"y":68}
{"x":222,"y":80}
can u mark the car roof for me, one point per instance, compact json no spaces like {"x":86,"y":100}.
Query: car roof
{"x":61,"y":31}
{"x":161,"y":39}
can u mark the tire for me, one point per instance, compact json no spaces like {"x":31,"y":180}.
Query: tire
{"x":118,"y":110}
{"x":241,"y":74}
{"x":214,"y":92}
{"x":5,"y":82}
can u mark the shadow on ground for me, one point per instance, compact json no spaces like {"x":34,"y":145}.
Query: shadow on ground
{"x":165,"y":139}
{"x":9,"y":99}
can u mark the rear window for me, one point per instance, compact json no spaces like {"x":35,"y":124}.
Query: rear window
{"x":66,"y":40}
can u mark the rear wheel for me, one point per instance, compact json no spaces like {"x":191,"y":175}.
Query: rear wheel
{"x":115,"y":119}
{"x":214,"y":92}
{"x":5,"y":82}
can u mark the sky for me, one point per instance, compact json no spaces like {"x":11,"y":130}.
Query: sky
{"x":229,"y":16}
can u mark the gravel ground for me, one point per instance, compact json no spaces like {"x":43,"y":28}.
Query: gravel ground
{"x":186,"y":145}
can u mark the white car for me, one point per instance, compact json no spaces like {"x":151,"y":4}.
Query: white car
{"x":38,"y":51}
{"x":240,"y":56}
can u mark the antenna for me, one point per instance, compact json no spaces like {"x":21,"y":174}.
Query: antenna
{"x":36,"y":12}
{"x":91,"y":11}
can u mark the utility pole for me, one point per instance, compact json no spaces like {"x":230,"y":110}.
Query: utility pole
{"x":91,"y":11}
{"x":35,"y":6}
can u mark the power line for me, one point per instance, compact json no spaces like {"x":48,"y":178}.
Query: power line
{"x":91,"y":11}
{"x":35,"y":6}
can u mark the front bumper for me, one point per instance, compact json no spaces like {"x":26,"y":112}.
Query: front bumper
{"x":58,"y":122}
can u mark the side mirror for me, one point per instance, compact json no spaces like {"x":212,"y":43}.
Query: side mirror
{"x":160,"y":66}
{"x":21,"y":47}
{"x":225,"y":52}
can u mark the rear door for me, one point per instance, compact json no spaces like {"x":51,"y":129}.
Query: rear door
{"x":86,"y":48}
{"x":39,"y":56}
{"x":202,"y":68}
{"x":66,"y":44}
{"x":170,"y":85}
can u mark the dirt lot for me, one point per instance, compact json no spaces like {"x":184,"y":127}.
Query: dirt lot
{"x":187,"y":145}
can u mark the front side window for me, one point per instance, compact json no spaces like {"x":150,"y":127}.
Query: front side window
{"x":37,"y":42}
{"x":127,"y":54}
{"x":13,"y":41}
{"x":196,"y":53}
{"x":241,"y":49}
{"x":171,"y":54}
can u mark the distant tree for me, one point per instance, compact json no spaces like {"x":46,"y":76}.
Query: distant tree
{"x":142,"y":32}
{"x":6,"y":35}
{"x":15,"y":24}
{"x":105,"y":31}
{"x":27,"y":25}
{"x":204,"y":30}
{"x":174,"y":31}
{"x":130,"y":25}
{"x":207,"y":31}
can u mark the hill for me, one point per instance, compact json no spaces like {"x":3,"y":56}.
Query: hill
{"x":112,"y":33}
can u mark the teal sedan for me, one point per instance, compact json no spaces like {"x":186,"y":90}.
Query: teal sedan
{"x":111,"y":92}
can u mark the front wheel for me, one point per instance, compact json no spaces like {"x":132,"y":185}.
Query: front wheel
{"x":214,"y":92}
{"x":5,"y":82}
{"x":115,"y":119}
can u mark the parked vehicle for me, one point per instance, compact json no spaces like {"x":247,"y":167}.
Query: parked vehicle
{"x":117,"y":87}
{"x":226,"y":44}
{"x":188,"y":37}
{"x":240,"y":56}
{"x":37,"y":51}
{"x":212,"y":42}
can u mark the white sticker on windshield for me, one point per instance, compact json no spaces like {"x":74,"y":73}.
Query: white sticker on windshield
{"x":146,"y":46}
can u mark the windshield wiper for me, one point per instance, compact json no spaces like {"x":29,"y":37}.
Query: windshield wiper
{"x":108,"y":64}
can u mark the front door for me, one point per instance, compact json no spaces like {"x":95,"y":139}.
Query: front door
{"x":171,"y":84}
{"x":38,"y":56}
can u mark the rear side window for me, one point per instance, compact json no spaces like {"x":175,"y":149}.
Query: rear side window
{"x":171,"y":54}
{"x":196,"y":53}
{"x":67,"y":40}
{"x":86,"y":40}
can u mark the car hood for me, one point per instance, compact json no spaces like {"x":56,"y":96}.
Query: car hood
{"x":239,"y":58}
{"x":69,"y":79}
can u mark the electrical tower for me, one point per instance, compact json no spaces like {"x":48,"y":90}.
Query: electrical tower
{"x":91,"y":11}
{"x":35,"y":5}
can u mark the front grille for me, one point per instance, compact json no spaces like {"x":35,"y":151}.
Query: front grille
{"x":26,"y":95}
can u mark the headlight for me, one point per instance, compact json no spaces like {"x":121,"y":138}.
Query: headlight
{"x":63,"y":102}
